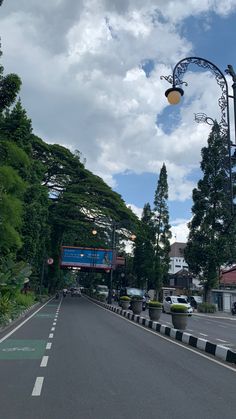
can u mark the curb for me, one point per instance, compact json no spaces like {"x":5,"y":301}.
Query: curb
{"x":219,"y":351}
{"x":21,"y":316}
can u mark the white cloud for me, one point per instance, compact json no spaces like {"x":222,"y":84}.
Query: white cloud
{"x":179,"y":231}
{"x":138,"y":211}
{"x":84,"y":87}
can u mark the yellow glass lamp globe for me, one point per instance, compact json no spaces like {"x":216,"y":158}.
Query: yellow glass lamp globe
{"x":174,"y":95}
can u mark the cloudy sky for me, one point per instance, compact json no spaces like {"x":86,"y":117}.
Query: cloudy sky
{"x":91,"y":81}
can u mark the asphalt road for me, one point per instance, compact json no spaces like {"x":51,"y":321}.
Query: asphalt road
{"x":79,"y":361}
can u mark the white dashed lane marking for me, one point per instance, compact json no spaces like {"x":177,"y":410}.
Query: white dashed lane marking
{"x":38,"y":386}
{"x":44,"y":361}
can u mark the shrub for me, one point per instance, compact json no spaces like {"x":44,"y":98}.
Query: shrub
{"x":125,"y":298}
{"x":102,"y":298}
{"x":136,"y":298}
{"x":24,"y":300}
{"x":5,"y":306}
{"x":41,"y":298}
{"x":206,"y":308}
{"x":154,"y":304}
{"x":178,"y":308}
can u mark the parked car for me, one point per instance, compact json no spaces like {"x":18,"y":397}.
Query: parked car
{"x":130,"y":292}
{"x":194,"y":300}
{"x":102,"y":290}
{"x":175,"y":299}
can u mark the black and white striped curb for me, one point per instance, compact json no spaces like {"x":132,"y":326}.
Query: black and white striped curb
{"x":219,"y":351}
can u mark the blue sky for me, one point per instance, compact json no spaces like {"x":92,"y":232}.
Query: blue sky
{"x":91,"y":81}
{"x":215,"y":43}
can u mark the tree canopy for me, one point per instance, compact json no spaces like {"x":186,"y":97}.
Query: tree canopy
{"x":211,"y":242}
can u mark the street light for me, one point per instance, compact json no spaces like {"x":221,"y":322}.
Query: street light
{"x":175,"y":93}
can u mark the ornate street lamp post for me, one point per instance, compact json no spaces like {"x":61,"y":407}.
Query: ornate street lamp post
{"x":175,"y":93}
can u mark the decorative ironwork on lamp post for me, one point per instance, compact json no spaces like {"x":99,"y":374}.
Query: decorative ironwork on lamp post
{"x":175,"y":93}
{"x":201,"y":117}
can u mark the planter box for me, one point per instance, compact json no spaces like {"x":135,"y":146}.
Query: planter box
{"x":136,"y":306}
{"x":179,"y":320}
{"x":155,"y":313}
{"x":124,"y":304}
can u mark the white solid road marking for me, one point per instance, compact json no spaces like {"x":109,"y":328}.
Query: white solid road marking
{"x":229,"y":344}
{"x":44,"y":361}
{"x":202,"y":334}
{"x":50,"y":336}
{"x":220,"y":340}
{"x":38,"y":386}
{"x":28,"y":318}
{"x":49,"y":345}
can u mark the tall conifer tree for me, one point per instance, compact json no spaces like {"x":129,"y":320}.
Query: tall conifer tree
{"x":162,"y":230}
{"x":144,"y":249}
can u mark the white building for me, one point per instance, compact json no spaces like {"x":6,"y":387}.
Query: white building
{"x":177,"y":261}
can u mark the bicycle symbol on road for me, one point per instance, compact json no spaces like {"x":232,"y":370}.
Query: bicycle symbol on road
{"x":23,"y":349}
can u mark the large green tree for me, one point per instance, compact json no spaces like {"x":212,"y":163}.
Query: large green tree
{"x":144,"y":250}
{"x":211,"y":241}
{"x":11,"y":192}
{"x":162,"y":231}
{"x":9,"y":87}
{"x":16,"y":132}
{"x":11,"y":183}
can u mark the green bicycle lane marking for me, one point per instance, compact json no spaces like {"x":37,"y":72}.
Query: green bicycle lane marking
{"x":46,"y":315}
{"x":22,"y":349}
